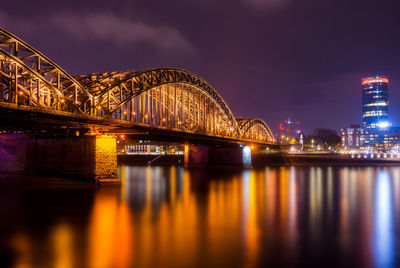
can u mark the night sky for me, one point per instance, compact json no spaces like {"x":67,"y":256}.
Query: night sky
{"x":272,"y":59}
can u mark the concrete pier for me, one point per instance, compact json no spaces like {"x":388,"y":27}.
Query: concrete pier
{"x":88,"y":157}
{"x":202,"y":155}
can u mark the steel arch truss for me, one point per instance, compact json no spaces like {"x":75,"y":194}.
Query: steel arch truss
{"x":28,"y":77}
{"x":255,"y":129}
{"x":169,"y":97}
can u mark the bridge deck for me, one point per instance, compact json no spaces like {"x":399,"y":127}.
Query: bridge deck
{"x":20,"y":117}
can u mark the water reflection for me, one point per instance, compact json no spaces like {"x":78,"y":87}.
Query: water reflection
{"x":176,"y":217}
{"x":384,"y":238}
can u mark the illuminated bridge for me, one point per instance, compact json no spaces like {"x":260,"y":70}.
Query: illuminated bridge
{"x":39,"y":100}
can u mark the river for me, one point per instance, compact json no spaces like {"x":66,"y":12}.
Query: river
{"x":210,"y":217}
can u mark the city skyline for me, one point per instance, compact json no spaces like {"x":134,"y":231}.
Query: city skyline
{"x":210,"y":133}
{"x":303,"y":68}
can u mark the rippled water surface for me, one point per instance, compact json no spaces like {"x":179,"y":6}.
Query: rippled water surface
{"x":176,"y":217}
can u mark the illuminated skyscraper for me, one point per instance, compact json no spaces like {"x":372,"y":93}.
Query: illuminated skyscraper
{"x":375,"y":102}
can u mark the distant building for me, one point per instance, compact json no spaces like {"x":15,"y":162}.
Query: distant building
{"x":376,"y":133}
{"x":352,"y":137}
{"x":375,"y":102}
{"x":382,"y":140}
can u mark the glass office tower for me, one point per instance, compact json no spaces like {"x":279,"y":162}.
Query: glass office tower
{"x":375,"y":102}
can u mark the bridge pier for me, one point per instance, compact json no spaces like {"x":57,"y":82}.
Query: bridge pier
{"x":88,"y":157}
{"x":203,"y":155}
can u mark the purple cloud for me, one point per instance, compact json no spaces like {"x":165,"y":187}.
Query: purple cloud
{"x":107,"y":27}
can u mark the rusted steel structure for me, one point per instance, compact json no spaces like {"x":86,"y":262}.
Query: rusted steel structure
{"x":166,"y":97}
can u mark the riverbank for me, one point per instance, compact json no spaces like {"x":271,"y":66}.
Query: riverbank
{"x":320,"y":159}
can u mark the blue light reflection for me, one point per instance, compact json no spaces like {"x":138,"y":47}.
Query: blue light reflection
{"x":384,"y":244}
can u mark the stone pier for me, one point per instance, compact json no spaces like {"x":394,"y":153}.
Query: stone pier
{"x":87,"y":157}
{"x":203,"y":155}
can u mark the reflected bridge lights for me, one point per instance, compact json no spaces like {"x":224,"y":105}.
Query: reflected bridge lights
{"x":376,"y":155}
{"x":247,"y":156}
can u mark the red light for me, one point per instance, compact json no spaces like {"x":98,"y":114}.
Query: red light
{"x":374,"y":80}
{"x":122,"y":136}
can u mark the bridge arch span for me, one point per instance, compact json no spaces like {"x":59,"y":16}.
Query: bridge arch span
{"x":29,"y":77}
{"x":165,"y":97}
{"x":255,"y":129}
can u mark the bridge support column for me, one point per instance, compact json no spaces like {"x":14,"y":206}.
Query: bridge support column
{"x":202,"y":155}
{"x":86,"y":157}
{"x":105,"y":161}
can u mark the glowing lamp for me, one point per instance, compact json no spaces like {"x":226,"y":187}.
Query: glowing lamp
{"x":383,"y":124}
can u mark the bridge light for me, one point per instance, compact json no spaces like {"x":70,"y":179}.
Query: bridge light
{"x":122,"y":136}
{"x":252,"y":147}
{"x":179,"y":122}
{"x":164,"y":119}
{"x":134,"y":113}
{"x":20,"y":93}
{"x":125,"y":112}
{"x":146,"y":116}
{"x":99,"y":107}
{"x":62,"y":100}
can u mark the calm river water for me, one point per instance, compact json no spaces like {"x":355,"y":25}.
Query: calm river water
{"x":176,"y":217}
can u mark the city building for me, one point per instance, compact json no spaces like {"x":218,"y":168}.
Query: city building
{"x":375,"y":102}
{"x":376,"y":133}
{"x":382,"y":140}
{"x":352,"y":137}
